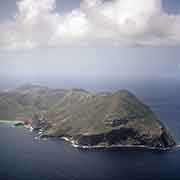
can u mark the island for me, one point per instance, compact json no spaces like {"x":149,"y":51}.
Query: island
{"x":86,"y":119}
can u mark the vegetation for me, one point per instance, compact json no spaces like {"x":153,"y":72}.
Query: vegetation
{"x":107,"y":118}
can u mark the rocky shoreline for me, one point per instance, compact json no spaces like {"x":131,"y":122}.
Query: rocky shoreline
{"x":99,"y":147}
{"x":89,"y":120}
{"x":75,"y":144}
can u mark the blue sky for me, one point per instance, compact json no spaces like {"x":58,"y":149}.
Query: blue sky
{"x":172,"y":6}
{"x":95,"y":60}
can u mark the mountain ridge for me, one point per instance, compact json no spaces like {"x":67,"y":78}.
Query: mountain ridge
{"x":87,"y":118}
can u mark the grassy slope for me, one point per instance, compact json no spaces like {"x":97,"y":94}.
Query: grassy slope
{"x":27,"y":100}
{"x":85,"y":113}
{"x":78,"y":112}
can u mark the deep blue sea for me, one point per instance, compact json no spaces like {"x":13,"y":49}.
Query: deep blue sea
{"x":22,"y":157}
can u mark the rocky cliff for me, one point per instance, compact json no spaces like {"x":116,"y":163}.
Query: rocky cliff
{"x":87,"y":118}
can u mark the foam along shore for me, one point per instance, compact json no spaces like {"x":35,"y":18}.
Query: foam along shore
{"x":17,"y":123}
{"x":74,"y":144}
{"x":89,"y":147}
{"x":10,"y":122}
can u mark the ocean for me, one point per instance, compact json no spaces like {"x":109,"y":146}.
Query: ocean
{"x":22,"y":157}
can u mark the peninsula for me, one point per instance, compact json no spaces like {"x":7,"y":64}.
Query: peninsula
{"x":86,"y":119}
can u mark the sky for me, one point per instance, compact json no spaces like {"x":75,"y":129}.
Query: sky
{"x":68,"y":41}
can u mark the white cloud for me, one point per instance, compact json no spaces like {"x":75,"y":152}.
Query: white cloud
{"x":124,"y":22}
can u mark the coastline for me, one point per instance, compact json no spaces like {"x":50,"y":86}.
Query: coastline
{"x":101,"y":147}
{"x":95,"y":147}
{"x":10,"y":122}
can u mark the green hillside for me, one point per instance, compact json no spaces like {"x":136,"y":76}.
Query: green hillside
{"x":87,"y":118}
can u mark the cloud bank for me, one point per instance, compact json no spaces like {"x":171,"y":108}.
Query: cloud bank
{"x":120,"y":22}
